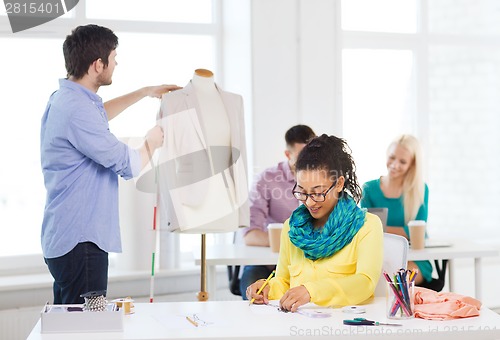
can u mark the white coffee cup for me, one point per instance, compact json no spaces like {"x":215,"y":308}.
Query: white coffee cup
{"x":417,"y":234}
{"x":274,"y":230}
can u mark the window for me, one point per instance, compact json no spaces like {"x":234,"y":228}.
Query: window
{"x":186,"y":11}
{"x":377,"y":88}
{"x":31,"y":64}
{"x":147,"y":58}
{"x":22,"y":194}
{"x":395,"y":16}
{"x":464,"y":108}
{"x":437,"y":79}
{"x":466,"y":18}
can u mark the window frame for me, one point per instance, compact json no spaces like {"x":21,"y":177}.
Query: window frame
{"x":420,"y":43}
{"x":59,"y":28}
{"x":416,"y":42}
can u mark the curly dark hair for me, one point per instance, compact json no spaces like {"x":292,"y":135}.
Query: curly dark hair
{"x":85,"y":45}
{"x":333,"y":155}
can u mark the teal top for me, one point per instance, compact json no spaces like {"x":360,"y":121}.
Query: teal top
{"x":373,"y":197}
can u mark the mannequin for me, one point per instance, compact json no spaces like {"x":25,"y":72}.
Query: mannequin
{"x":213,"y":114}
{"x":201,"y":168}
{"x":203,"y":73}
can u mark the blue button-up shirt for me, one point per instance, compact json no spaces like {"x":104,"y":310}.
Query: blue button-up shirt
{"x":81,"y":159}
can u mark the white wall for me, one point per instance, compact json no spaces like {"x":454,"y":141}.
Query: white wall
{"x":293,"y":73}
{"x":236,"y":61}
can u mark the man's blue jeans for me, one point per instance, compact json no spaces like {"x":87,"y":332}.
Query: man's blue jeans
{"x":250,"y":275}
{"x":84,"y":269}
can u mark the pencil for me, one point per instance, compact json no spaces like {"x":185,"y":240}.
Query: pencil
{"x":192,"y":321}
{"x":396,"y":294}
{"x":413,"y":275}
{"x":262,"y":287}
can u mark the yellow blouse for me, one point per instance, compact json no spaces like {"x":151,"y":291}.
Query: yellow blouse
{"x":348,"y":277}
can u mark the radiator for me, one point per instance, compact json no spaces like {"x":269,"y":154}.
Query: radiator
{"x":16,"y":324}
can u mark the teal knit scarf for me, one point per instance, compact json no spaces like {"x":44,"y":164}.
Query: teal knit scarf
{"x":343,"y":223}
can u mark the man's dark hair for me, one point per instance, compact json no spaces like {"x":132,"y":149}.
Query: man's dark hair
{"x":299,"y":134}
{"x":86,"y":44}
{"x":333,"y":155}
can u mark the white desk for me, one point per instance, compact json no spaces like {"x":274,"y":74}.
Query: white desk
{"x":235,"y":319}
{"x":246,"y":255}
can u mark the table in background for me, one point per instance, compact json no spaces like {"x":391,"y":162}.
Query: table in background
{"x":235,"y":319}
{"x":458,"y":250}
{"x":235,"y":254}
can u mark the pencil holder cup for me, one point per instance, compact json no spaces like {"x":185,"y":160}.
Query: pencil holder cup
{"x":400,"y":302}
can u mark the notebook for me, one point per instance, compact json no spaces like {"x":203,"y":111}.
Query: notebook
{"x":382,"y":214}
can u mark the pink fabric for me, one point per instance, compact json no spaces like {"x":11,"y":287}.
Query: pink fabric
{"x":432,"y":305}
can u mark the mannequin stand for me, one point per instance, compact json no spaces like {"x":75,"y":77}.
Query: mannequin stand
{"x":203,"y":294}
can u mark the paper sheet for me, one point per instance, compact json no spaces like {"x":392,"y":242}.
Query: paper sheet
{"x":202,"y":320}
{"x":309,"y":310}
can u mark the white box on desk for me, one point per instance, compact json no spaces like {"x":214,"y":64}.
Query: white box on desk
{"x":57,"y":319}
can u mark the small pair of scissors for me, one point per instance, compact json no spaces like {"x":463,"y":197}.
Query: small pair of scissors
{"x":365,"y":322}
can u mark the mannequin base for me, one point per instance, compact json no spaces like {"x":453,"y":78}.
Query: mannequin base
{"x":202,"y":296}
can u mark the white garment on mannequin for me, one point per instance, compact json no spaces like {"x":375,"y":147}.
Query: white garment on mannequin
{"x":214,"y":117}
{"x":201,"y":171}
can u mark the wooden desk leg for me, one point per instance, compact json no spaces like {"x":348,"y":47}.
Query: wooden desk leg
{"x":451,"y":272}
{"x":478,"y":273}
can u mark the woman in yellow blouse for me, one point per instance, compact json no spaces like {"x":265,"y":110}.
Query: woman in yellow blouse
{"x":331,"y":250}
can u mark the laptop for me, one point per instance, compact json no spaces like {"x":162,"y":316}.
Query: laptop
{"x":382,"y":214}
{"x":435,"y":243}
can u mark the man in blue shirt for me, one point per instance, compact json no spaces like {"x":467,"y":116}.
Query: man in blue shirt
{"x":81,"y":160}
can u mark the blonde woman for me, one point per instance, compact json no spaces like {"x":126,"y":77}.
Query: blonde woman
{"x":403,"y":192}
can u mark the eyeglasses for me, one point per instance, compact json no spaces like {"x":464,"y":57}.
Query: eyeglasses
{"x":316,"y":197}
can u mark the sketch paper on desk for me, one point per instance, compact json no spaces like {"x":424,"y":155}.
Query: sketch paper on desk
{"x":265,"y":309}
{"x":191,"y":321}
{"x":310,"y":310}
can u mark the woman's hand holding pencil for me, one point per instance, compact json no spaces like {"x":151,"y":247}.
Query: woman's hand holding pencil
{"x":259,"y":290}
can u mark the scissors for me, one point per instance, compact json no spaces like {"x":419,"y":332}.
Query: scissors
{"x":366,"y":322}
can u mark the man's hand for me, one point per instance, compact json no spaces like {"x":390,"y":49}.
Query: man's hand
{"x":294,"y":298}
{"x":158,"y":91}
{"x":115,"y":106}
{"x":154,"y":138}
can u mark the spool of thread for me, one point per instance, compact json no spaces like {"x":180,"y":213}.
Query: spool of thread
{"x":125,"y":304}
